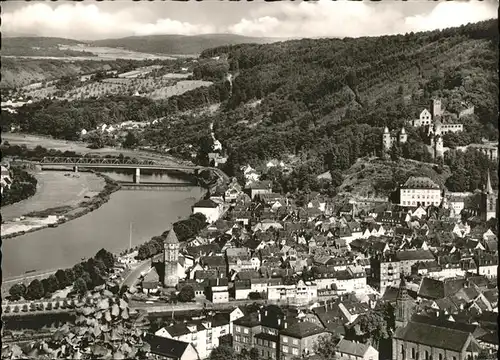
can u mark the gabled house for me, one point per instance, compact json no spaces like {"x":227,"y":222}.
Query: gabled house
{"x":165,"y":348}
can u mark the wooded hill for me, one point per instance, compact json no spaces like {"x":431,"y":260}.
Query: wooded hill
{"x":327,"y":100}
{"x":179,"y":44}
{"x":324,"y":102}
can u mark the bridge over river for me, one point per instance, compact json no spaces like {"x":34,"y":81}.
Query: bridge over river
{"x":122,"y":163}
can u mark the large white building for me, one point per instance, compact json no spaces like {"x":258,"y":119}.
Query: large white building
{"x":209,"y":208}
{"x":203,"y":334}
{"x":419,"y":191}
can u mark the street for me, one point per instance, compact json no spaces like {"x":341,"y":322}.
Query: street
{"x":136,"y":271}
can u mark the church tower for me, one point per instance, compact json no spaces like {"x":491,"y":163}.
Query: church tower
{"x":171,"y":259}
{"x":488,"y":202}
{"x":403,"y":136}
{"x":436,"y":108}
{"x":386,"y":139}
{"x":404,"y":305}
{"x":438,"y":147}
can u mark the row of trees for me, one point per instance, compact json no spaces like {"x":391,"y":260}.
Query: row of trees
{"x":83,"y":276}
{"x":184,"y":229}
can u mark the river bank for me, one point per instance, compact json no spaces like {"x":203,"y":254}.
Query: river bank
{"x":52,"y":217}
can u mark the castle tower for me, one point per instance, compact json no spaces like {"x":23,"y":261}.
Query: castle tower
{"x":436,"y":108}
{"x":404,"y":305}
{"x":403,"y":137}
{"x":171,"y":259}
{"x":488,"y":205}
{"x":386,"y":139}
{"x":438,"y":147}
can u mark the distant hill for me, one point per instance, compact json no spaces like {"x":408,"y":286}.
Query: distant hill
{"x":39,"y":46}
{"x":180,"y":44}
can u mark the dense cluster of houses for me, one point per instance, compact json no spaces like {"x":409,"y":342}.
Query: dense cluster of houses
{"x":321,"y":267}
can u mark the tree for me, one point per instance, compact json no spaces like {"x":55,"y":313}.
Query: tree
{"x":17,"y":291}
{"x":186,"y":294}
{"x":130,"y":141}
{"x":254,"y":295}
{"x":80,"y":286}
{"x":107,"y":258}
{"x":35,"y":290}
{"x":373,"y":326}
{"x":222,"y":352}
{"x":62,"y":278}
{"x":325,"y":347}
{"x":52,"y":284}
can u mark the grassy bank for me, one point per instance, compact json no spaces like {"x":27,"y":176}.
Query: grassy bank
{"x":67,"y":213}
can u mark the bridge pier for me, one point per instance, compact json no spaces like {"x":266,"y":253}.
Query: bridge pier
{"x":75,"y":168}
{"x":137,"y":176}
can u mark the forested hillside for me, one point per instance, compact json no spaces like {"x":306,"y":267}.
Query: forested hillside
{"x":179,"y":44}
{"x":327,"y":100}
{"x":323,"y":103}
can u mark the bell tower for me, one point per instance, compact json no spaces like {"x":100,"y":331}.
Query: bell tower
{"x":488,"y":201}
{"x":404,"y":305}
{"x":171,"y":259}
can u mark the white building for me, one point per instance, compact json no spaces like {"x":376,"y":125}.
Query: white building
{"x":299,"y":294}
{"x":6,"y":180}
{"x":203,"y":334}
{"x":209,"y":208}
{"x":419,"y":191}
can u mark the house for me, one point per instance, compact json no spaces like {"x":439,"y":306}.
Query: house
{"x":410,"y":257}
{"x":241,"y":289}
{"x":260,"y":329}
{"x":419,"y":190}
{"x":209,"y":208}
{"x":233,"y":191}
{"x":437,"y":289}
{"x":204,"y":334}
{"x":487,"y":265}
{"x":300,"y":339}
{"x":6,"y":179}
{"x":430,"y":341}
{"x":218,"y":290}
{"x":353,"y":350}
{"x":350,"y":310}
{"x":262,"y":187}
{"x":165,"y":348}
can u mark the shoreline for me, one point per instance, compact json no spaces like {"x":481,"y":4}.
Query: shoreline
{"x":48,"y":217}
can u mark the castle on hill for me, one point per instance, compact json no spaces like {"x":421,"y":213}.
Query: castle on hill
{"x":433,"y":122}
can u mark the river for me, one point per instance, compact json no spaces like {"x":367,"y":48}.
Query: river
{"x":150,"y":212}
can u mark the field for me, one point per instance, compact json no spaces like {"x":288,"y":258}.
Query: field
{"x":31,"y":141}
{"x":136,"y":82}
{"x":49,"y":194}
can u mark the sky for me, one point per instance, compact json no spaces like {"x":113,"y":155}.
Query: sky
{"x":90,"y":20}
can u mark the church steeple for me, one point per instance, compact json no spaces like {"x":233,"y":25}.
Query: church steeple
{"x":489,"y":189}
{"x":404,"y":305}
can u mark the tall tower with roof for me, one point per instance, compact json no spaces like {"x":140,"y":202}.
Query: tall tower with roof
{"x":404,"y":305}
{"x":403,"y":136}
{"x":488,"y":206}
{"x":171,"y":259}
{"x":386,"y":139}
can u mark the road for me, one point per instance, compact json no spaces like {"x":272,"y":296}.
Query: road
{"x":136,"y":271}
{"x":164,"y":307}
